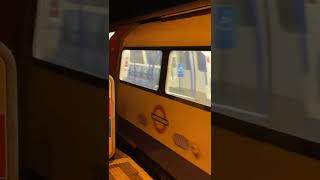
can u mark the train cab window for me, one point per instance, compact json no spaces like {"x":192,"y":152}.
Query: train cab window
{"x":189,"y":76}
{"x":141,"y":68}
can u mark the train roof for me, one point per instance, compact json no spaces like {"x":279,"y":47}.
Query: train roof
{"x":195,"y":7}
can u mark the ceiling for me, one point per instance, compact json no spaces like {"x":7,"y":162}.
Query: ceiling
{"x":125,"y":9}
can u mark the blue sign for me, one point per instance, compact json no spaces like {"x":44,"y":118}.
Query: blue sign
{"x":224,"y":26}
{"x":180,"y":70}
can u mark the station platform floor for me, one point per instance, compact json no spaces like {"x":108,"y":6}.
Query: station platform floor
{"x":124,"y":168}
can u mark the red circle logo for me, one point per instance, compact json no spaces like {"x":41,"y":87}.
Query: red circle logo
{"x":159,"y":117}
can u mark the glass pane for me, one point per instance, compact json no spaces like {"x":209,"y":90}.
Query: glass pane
{"x":189,"y":76}
{"x":70,"y":33}
{"x":270,"y":74}
{"x":141,"y":67}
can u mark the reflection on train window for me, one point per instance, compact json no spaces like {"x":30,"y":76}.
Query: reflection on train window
{"x":141,"y":67}
{"x":70,"y":33}
{"x":189,"y":76}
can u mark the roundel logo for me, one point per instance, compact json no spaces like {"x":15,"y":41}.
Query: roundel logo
{"x":159,"y":117}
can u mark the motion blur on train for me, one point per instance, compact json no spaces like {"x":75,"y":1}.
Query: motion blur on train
{"x":266,"y":87}
{"x":274,"y":77}
{"x":258,"y":101}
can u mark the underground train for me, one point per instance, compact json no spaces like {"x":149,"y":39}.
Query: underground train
{"x":162,"y":78}
{"x":274,"y":83}
{"x":265,"y":89}
{"x":265,"y":85}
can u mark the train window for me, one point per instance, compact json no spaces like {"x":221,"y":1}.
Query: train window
{"x":70,"y":33}
{"x":141,"y":67}
{"x":192,"y":83}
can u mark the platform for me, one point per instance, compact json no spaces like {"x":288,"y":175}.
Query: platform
{"x":123,"y":167}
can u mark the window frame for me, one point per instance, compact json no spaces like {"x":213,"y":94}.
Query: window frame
{"x":163,"y":72}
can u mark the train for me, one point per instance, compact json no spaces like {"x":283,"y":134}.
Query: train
{"x":161,"y":65}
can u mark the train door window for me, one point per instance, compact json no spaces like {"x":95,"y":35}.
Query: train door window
{"x":141,"y":67}
{"x":70,"y":33}
{"x":189,"y":76}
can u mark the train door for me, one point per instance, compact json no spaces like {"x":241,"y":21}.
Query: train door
{"x":8,"y":116}
{"x":163,"y":89}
